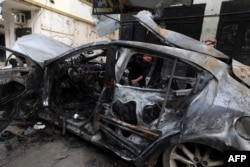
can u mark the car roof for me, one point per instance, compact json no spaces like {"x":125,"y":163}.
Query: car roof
{"x":40,"y":47}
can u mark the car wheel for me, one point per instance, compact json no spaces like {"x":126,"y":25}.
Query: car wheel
{"x":192,"y":155}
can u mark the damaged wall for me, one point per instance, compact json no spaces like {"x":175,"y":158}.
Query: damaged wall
{"x":74,"y":8}
{"x":70,"y":31}
{"x":68,"y":21}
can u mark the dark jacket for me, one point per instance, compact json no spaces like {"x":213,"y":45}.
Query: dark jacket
{"x":137,"y":67}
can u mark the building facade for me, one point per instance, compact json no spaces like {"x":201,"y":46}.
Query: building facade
{"x":69,"y":21}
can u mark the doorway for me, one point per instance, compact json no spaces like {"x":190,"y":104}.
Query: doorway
{"x":233,"y":33}
{"x":2,"y":52}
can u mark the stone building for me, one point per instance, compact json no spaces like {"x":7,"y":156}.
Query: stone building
{"x":69,"y":21}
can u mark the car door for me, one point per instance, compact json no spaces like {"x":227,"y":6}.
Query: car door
{"x":19,"y":81}
{"x":22,"y":73}
{"x":74,"y":81}
{"x":171,"y":84}
{"x":136,"y":117}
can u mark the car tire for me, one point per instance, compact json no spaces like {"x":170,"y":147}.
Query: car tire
{"x":192,"y":155}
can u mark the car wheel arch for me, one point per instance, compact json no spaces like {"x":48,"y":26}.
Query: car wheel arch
{"x":156,"y":156}
{"x":149,"y":157}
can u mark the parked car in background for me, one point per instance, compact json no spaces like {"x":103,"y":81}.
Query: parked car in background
{"x":195,"y":105}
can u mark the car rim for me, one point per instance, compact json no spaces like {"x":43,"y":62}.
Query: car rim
{"x":192,"y":155}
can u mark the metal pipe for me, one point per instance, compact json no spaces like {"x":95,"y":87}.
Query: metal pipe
{"x":167,"y":92}
{"x":134,"y":129}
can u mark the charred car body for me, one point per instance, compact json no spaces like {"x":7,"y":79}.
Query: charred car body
{"x":195,"y":104}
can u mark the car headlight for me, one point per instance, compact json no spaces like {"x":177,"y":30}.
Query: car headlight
{"x":242,"y":127}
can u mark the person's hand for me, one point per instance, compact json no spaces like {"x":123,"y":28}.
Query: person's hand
{"x":134,"y":81}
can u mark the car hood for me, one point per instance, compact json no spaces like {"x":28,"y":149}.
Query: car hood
{"x":176,"y":39}
{"x":39,"y":47}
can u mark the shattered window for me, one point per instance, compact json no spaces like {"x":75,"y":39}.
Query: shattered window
{"x":183,"y":75}
{"x":15,"y":61}
{"x":156,"y":74}
{"x":138,"y":69}
{"x":78,"y":80}
{"x":165,"y":83}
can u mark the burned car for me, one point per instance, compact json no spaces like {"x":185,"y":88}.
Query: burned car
{"x":194,"y":106}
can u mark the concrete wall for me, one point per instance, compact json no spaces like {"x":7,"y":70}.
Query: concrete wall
{"x":74,"y":8}
{"x":69,"y":21}
{"x":66,"y":29}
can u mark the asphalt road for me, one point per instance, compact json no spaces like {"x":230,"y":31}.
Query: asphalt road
{"x":49,"y":148}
